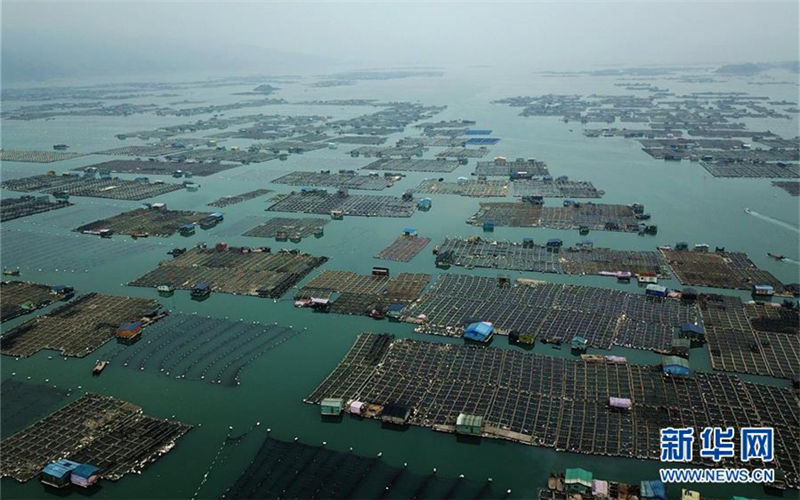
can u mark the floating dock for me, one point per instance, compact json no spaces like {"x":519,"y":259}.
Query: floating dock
{"x":79,"y":327}
{"x":289,"y":227}
{"x":404,"y":248}
{"x":238,"y":198}
{"x":553,"y":312}
{"x":321,"y":202}
{"x":556,"y":402}
{"x":202,"y":349}
{"x":412,"y":165}
{"x":234,"y":270}
{"x":465,"y":187}
{"x":342,"y":179}
{"x":14,"y":208}
{"x":154,"y":221}
{"x":76,"y":185}
{"x":107,"y":432}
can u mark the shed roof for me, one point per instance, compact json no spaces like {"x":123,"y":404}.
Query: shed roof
{"x":578,"y":475}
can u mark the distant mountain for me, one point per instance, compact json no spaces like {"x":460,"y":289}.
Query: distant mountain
{"x":34,"y":58}
{"x":755,"y":68}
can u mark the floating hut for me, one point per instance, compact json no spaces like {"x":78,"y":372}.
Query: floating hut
{"x":479,"y":332}
{"x":674,"y":365}
{"x":331,"y":407}
{"x":470,"y":425}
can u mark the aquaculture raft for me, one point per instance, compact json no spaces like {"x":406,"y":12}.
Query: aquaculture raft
{"x":558,"y":188}
{"x":154,"y":221}
{"x":758,"y":339}
{"x":14,"y":208}
{"x":719,"y":269}
{"x":404,"y":248}
{"x":471,"y":187}
{"x":595,"y":216}
{"x":21,"y":297}
{"x":23,"y":402}
{"x":160,"y":167}
{"x":292,"y":469}
{"x":555,"y":402}
{"x":554,"y":312}
{"x":234,"y":270}
{"x":528,"y":256}
{"x":79,"y":327}
{"x":199,"y":348}
{"x":76,"y":185}
{"x":37,"y":156}
{"x":107,"y":432}
{"x":413,"y":165}
{"x":238,"y":198}
{"x":501,"y":167}
{"x":339,"y":180}
{"x":361,"y":294}
{"x":365,"y":205}
{"x":303,"y":227}
{"x":791,"y":187}
{"x":463,"y":153}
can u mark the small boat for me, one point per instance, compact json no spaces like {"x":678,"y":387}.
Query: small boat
{"x":10,"y":272}
{"x":139,"y":234}
{"x":165,"y":289}
{"x":60,"y":147}
{"x":99,"y":367}
{"x":777,"y":256}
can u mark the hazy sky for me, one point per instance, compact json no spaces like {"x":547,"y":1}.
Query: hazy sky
{"x":535,"y":35}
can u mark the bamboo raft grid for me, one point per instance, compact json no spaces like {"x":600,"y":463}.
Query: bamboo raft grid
{"x":404,"y":248}
{"x":550,"y":311}
{"x":198,"y":348}
{"x":791,"y":187}
{"x":339,"y":180}
{"x":24,"y":402}
{"x":75,"y":252}
{"x":145,"y":167}
{"x":77,"y":328}
{"x":719,"y":270}
{"x":304,"y":227}
{"x":358,"y":293}
{"x":284,"y":469}
{"x":513,"y":256}
{"x":14,"y":208}
{"x":226,"y":201}
{"x":351,"y":204}
{"x":412,"y":165}
{"x":256,"y":273}
{"x":751,"y":170}
{"x":472,"y":187}
{"x":460,"y":152}
{"x":17,"y":293}
{"x":156,"y":222}
{"x":74,"y":185}
{"x":595,"y":216}
{"x":429,"y":141}
{"x":556,"y":188}
{"x":37,"y":156}
{"x":535,"y":168}
{"x":388,"y":151}
{"x":109,"y":433}
{"x":751,"y":338}
{"x":554,"y":402}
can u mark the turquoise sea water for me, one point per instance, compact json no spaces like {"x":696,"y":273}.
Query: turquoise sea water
{"x":685,"y":201}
